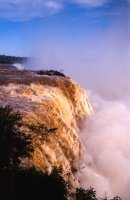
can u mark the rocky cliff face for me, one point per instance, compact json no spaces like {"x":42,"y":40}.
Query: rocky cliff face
{"x":57,"y":105}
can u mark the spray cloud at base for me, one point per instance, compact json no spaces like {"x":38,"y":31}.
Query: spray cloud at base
{"x":105,"y":163}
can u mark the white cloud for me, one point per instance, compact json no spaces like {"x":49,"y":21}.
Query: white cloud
{"x":52,"y":4}
{"x":92,"y":2}
{"x":27,"y":9}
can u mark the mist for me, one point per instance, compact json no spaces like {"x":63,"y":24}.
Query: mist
{"x":101,"y":64}
{"x":105,"y":164}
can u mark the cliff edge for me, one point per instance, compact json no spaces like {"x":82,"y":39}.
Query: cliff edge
{"x":52,"y":109}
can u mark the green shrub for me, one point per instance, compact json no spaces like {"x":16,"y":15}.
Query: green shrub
{"x":14,"y":144}
{"x":32,"y":185}
{"x":50,"y":73}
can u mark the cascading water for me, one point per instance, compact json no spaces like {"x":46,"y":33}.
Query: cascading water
{"x":96,"y":145}
{"x":57,"y":102}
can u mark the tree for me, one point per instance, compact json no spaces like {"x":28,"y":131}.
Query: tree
{"x":51,"y":73}
{"x":31,"y":184}
{"x":12,"y":59}
{"x":40,"y":133}
{"x":18,"y":183}
{"x":82,"y":194}
{"x":90,"y":194}
{"x":116,"y":198}
{"x":14,"y":144}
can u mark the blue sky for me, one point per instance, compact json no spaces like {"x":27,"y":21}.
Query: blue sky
{"x":88,"y":39}
{"x":24,"y":22}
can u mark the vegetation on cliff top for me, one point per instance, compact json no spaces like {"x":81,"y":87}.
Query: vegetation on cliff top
{"x":50,"y":72}
{"x":11,"y":59}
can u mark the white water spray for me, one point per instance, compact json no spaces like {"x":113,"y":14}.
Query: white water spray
{"x":105,"y":164}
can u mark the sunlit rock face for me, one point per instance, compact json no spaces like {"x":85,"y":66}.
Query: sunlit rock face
{"x":56,"y":102}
